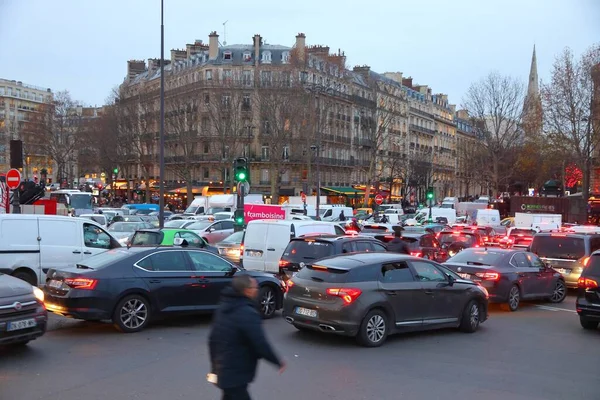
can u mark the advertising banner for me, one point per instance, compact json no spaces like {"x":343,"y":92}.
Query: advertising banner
{"x":262,"y":211}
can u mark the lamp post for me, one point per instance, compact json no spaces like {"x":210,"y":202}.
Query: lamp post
{"x":317,"y":150}
{"x":161,"y":200}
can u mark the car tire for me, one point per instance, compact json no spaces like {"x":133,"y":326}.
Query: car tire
{"x":373,"y":330}
{"x":588,"y":324}
{"x":27,"y":277}
{"x":137,"y":308}
{"x":559,"y":293}
{"x":471,"y":317}
{"x":268,"y":302}
{"x":514,"y":298}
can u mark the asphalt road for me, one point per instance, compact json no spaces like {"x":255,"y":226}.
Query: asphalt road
{"x":537,"y":353}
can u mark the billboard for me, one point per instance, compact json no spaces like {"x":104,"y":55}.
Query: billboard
{"x":262,"y":211}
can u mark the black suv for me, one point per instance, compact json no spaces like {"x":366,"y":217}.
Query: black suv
{"x":420,"y":244}
{"x":588,"y":294}
{"x":303,"y":251}
{"x":568,"y":253}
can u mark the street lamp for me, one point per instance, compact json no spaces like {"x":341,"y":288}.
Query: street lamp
{"x":161,"y":200}
{"x":317,"y":150}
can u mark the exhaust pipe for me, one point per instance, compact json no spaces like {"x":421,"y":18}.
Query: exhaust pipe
{"x":327,"y":328}
{"x":289,"y":319}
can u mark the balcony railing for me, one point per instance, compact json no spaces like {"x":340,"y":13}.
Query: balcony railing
{"x":422,"y":129}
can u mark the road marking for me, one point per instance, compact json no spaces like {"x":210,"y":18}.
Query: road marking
{"x":547,"y":308}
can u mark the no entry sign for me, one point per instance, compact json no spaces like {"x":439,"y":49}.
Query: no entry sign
{"x":13,"y":178}
{"x":379,"y":199}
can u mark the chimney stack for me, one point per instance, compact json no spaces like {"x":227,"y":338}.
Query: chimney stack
{"x":134,"y":68}
{"x":193,"y":49}
{"x":363,"y":70}
{"x":257,"y":40}
{"x":395,"y":76}
{"x":213,"y":45}
{"x":407,"y":82}
{"x":178,"y":55}
{"x":300,"y":46}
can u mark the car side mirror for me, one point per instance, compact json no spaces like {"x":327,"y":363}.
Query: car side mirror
{"x":180,"y":242}
{"x":209,"y":230}
{"x":451,"y":280}
{"x":233,"y":270}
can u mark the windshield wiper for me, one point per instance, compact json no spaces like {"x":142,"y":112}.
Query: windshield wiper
{"x":477,"y":263}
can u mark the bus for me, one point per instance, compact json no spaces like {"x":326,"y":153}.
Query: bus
{"x":76,"y":201}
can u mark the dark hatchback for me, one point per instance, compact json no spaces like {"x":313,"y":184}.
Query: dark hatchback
{"x":304,"y":251}
{"x":22,"y":313}
{"x":588,"y":294}
{"x":371,"y":295}
{"x":509,"y":275}
{"x":455,"y":241}
{"x":131,"y":286}
{"x":420,"y":244}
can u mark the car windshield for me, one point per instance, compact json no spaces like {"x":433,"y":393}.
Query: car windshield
{"x":565,"y":247}
{"x":191,"y":209}
{"x":126,"y":226}
{"x":374,"y":229}
{"x":323,"y":274}
{"x":307,"y":250}
{"x":199,"y":226}
{"x":104,"y":259}
{"x":79,"y":201}
{"x":132,"y":218}
{"x":456,"y":237}
{"x":477,"y":257}
{"x":234,"y":238}
{"x":176,"y":223}
{"x":146,"y":239}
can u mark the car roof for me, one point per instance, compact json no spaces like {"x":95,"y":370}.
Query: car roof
{"x":349,"y":261}
{"x":333,"y":238}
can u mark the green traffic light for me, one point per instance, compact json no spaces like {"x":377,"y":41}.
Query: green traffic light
{"x":116,"y":170}
{"x":239,"y":220}
{"x":241,"y":176}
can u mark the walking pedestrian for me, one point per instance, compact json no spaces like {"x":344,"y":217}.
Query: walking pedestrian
{"x":397,"y":245}
{"x":237,"y":340}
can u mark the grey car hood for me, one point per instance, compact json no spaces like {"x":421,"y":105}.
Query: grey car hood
{"x":11,"y":286}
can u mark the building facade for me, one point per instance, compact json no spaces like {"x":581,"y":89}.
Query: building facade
{"x":20,"y":106}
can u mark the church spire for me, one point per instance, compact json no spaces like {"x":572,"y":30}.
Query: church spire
{"x":532,"y":107}
{"x":533,"y":89}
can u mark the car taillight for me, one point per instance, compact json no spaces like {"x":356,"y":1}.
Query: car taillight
{"x":241,"y":250}
{"x":81,"y":283}
{"x":288,"y":284}
{"x":347,"y":294}
{"x":415,"y":253}
{"x":488,"y":276}
{"x":587,"y":283}
{"x":485,"y":238}
{"x":283,"y":263}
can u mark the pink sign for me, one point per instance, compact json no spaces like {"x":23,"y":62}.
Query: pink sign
{"x":262,"y":211}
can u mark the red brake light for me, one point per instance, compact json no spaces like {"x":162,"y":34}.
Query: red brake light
{"x":415,"y":253}
{"x":347,"y":294}
{"x":81,"y":283}
{"x":587,"y":283}
{"x":283,"y":263}
{"x":241,"y":250}
{"x":488,"y":276}
{"x":288,"y":284}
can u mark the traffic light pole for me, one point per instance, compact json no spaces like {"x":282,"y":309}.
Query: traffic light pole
{"x":240,"y":208}
{"x":15,"y":202}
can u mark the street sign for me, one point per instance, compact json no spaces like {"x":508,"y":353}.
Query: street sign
{"x":246,"y":188}
{"x":13,"y":178}
{"x":303,"y":195}
{"x":378,"y":199}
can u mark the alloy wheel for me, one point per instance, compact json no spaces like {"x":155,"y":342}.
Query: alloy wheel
{"x":514,"y":297}
{"x":133,"y":313}
{"x":474,"y":315}
{"x":267,"y":302}
{"x":376,"y":328}
{"x":559,"y":293}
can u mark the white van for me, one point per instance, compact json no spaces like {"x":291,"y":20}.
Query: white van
{"x":488,"y":217}
{"x":436,"y":212}
{"x":99,"y":218}
{"x":330,"y":212}
{"x":31,"y":244}
{"x":265,"y":240}
{"x":449,"y":202}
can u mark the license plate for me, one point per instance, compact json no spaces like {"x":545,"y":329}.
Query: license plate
{"x":306,"y":312}
{"x":564,"y":271}
{"x":465,"y":276}
{"x":18,"y":325}
{"x":251,"y":253}
{"x":54,"y":284}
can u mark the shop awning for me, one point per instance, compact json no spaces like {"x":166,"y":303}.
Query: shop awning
{"x":348,"y":191}
{"x":183,"y":190}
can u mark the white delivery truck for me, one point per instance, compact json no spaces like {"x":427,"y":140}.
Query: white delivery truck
{"x":310,"y":200}
{"x":449,"y":202}
{"x":543,"y":222}
{"x":298,"y":209}
{"x":198,"y":207}
{"x":265,"y":240}
{"x":228,"y":202}
{"x":469,"y":209}
{"x":488,"y":217}
{"x":331,"y":212}
{"x":436,"y":212}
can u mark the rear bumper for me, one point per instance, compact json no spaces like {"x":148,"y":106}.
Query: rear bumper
{"x":340,"y":320}
{"x":41,"y":319}
{"x":87,"y":308}
{"x":336,"y":328}
{"x":498,"y":291}
{"x":588,"y":310}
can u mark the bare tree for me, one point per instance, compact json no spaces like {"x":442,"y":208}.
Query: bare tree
{"x":495,"y":105}
{"x":567,"y":101}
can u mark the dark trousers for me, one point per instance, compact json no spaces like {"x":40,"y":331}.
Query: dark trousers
{"x":237,"y":393}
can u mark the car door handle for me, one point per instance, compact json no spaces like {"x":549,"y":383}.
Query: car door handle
{"x":521,"y":274}
{"x":430,"y":292}
{"x":271,"y":249}
{"x":76,"y":252}
{"x":391,"y":292}
{"x":154,"y":281}
{"x":87,"y":252}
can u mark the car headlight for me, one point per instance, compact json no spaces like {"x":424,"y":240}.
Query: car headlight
{"x":38,"y":293}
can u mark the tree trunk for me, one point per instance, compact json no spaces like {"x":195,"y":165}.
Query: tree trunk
{"x":587,"y":172}
{"x":189,"y":189}
{"x":274,"y":184}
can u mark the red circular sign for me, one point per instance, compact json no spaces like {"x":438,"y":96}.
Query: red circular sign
{"x":378,"y":199}
{"x":303,"y":195}
{"x":13,"y":178}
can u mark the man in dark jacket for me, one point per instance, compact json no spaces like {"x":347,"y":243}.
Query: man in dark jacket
{"x":237,"y":340}
{"x":397,"y":245}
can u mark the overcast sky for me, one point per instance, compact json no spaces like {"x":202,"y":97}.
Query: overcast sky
{"x":83,"y":45}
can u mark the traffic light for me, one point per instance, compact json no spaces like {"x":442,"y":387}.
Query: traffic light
{"x":115,"y":170}
{"x":238,"y":217}
{"x":240,"y":170}
{"x":430,"y":194}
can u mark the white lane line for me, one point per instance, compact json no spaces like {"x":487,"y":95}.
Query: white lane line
{"x":547,"y":308}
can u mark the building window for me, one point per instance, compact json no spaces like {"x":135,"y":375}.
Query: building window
{"x":285,"y":57}
{"x":206,"y":99}
{"x":208,"y":74}
{"x":205,"y":124}
{"x":264,"y":153}
{"x":266,"y":57}
{"x":246,"y":151}
{"x":227,"y":56}
{"x":226,"y":100}
{"x":266,"y":127}
{"x":285,"y":177}
{"x":205,"y":173}
{"x":247,"y":56}
{"x":227,"y":75}
{"x":286,"y":153}
{"x":265,"y":78}
{"x":264,"y":175}
{"x":286,"y":79}
{"x":247,"y":78}
{"x":2,"y":91}
{"x":246,"y":102}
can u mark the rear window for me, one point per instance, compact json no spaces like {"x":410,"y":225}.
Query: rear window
{"x":146,"y":239}
{"x":524,"y":232}
{"x":413,"y":243}
{"x":323,"y":274}
{"x":593,"y":268}
{"x":478,"y":256}
{"x":307,"y":250}
{"x":565,"y":247}
{"x":374,"y":229}
{"x":452,"y":237}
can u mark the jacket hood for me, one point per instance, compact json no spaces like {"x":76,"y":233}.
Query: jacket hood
{"x":232,"y":300}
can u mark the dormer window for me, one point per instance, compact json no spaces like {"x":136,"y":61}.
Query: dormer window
{"x":285,"y":57}
{"x":266,"y":57}
{"x":247,"y":56}
{"x":227,"y":56}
